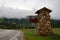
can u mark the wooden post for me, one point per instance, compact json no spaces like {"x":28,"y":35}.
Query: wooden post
{"x":44,"y":24}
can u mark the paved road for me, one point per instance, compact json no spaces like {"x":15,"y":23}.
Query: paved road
{"x":11,"y":35}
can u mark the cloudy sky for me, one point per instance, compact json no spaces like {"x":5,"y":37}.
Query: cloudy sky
{"x":22,"y":8}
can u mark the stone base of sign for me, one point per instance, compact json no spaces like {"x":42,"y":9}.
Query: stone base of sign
{"x":44,"y":24}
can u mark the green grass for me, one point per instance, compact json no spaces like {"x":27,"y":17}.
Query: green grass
{"x":30,"y":34}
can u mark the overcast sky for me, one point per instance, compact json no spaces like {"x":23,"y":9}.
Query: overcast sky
{"x":22,"y":8}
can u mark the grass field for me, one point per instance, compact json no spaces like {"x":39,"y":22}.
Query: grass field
{"x":30,"y":34}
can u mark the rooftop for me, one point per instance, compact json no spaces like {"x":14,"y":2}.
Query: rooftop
{"x":43,"y":9}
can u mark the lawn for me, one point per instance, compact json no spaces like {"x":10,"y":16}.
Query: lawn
{"x":30,"y":34}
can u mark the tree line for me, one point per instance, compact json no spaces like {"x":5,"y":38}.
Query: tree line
{"x":23,"y":23}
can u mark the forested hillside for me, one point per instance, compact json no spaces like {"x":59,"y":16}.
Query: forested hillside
{"x":14,"y":23}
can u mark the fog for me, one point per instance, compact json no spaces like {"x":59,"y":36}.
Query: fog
{"x":22,"y":8}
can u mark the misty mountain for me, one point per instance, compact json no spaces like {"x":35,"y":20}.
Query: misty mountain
{"x":13,"y":13}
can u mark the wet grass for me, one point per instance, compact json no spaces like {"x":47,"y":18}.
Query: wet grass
{"x":30,"y":34}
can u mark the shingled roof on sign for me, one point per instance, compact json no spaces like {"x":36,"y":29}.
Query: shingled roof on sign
{"x":44,"y":8}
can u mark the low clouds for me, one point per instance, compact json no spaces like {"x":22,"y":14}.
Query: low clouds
{"x":19,"y":4}
{"x":13,"y":13}
{"x":22,"y":8}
